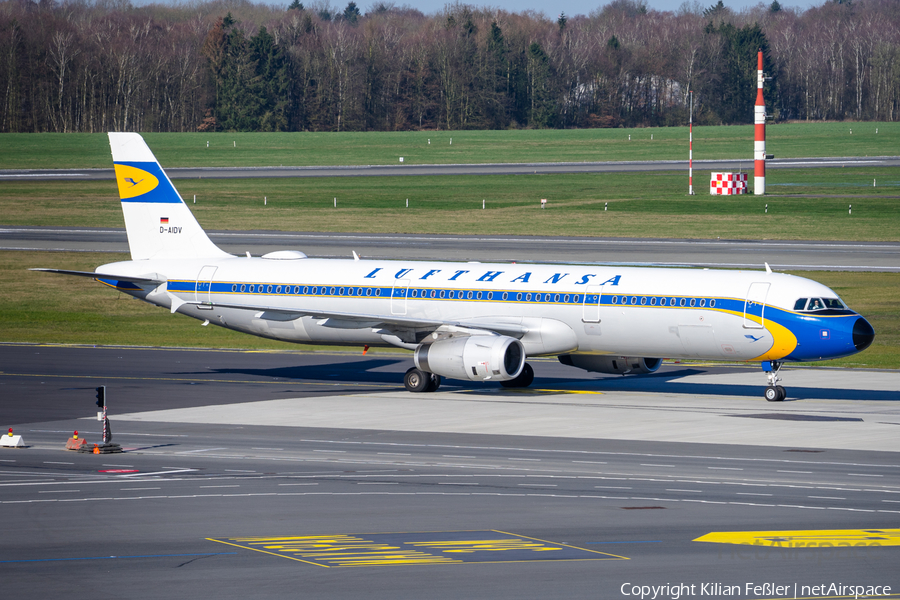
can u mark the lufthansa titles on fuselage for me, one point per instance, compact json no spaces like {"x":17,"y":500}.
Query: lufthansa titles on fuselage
{"x":491,"y":276}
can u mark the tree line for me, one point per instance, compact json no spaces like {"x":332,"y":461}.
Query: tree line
{"x":231,"y":65}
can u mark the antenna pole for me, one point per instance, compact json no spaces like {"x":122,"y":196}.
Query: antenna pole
{"x":691,"y":147}
{"x":759,"y":140}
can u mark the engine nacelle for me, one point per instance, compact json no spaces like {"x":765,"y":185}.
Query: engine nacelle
{"x":614,"y":365}
{"x":476,"y":358}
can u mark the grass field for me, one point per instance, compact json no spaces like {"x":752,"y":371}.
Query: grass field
{"x":604,"y":205}
{"x":76,"y":150}
{"x":802,"y":204}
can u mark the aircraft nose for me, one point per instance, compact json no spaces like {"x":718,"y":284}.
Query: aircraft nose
{"x":863,"y":334}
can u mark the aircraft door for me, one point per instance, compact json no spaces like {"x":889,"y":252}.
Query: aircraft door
{"x":591,"y":312}
{"x":398,"y":297}
{"x":755,"y":306}
{"x":203,"y":288}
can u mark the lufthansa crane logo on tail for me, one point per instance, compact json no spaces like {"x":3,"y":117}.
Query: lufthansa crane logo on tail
{"x":134,"y":182}
{"x":753,"y":339}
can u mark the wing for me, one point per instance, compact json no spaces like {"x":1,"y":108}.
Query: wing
{"x":399,"y":325}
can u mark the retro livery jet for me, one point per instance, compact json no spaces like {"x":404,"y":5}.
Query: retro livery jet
{"x":472,"y":321}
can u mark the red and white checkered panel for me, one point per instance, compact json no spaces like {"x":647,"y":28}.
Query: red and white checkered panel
{"x":728,"y":184}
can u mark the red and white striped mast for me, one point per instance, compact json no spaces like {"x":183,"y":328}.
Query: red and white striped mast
{"x":759,"y":140}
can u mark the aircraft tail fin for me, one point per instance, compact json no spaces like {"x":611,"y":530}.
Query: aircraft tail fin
{"x":158,"y":222}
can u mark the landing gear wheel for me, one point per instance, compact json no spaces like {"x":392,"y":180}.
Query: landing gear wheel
{"x":416,"y":380}
{"x":774,"y":392}
{"x":434,"y":382}
{"x":523,"y":380}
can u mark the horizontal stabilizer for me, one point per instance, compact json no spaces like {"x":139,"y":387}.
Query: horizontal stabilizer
{"x":130,"y":278}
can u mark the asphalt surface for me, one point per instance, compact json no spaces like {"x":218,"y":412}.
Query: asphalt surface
{"x":781,"y":255}
{"x":356,"y":488}
{"x":467,"y":169}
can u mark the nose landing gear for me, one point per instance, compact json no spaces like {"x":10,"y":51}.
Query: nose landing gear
{"x":774,"y":392}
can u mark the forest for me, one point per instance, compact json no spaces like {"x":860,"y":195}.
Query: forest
{"x":233,"y":65}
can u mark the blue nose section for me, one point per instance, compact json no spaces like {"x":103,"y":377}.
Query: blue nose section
{"x":863,"y":334}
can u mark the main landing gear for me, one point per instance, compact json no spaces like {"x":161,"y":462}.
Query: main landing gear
{"x":417,"y":380}
{"x":523,"y":380}
{"x":774,"y":392}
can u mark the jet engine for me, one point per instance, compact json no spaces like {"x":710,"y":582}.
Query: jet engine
{"x":614,"y":365}
{"x":476,"y":358}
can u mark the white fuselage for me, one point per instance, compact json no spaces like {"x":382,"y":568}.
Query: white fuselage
{"x":555,"y":309}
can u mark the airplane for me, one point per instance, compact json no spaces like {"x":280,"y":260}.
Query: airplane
{"x":470,"y":320}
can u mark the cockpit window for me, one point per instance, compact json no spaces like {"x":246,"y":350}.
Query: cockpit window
{"x":814,"y":304}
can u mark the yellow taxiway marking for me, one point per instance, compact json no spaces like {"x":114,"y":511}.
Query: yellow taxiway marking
{"x":381,"y":549}
{"x":527,"y":391}
{"x":826,"y":538}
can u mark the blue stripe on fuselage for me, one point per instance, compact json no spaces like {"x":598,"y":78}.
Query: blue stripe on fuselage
{"x":818,"y":336}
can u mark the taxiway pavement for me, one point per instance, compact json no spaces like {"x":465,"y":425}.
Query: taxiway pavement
{"x":270,"y":475}
{"x":781,"y":255}
{"x":408,"y":169}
